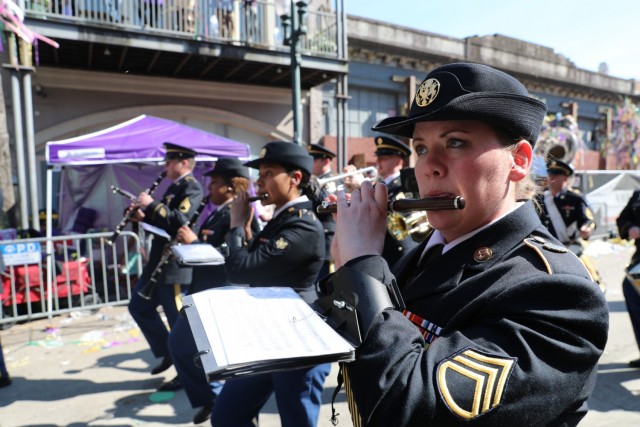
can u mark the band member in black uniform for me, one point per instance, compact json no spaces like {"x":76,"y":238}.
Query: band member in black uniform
{"x":487,"y":333}
{"x":176,"y":208}
{"x":322,"y":158}
{"x":228,"y":178}
{"x":390,"y":155}
{"x":629,"y":228}
{"x":566,"y":212}
{"x":289,"y":251}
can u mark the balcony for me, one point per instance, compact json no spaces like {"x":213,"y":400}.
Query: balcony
{"x":215,"y":40}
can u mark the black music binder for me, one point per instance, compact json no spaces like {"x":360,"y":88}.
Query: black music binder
{"x":241,"y":331}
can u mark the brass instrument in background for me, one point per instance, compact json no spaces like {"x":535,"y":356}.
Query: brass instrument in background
{"x":558,"y":142}
{"x":415,"y":225}
{"x":323,"y":181}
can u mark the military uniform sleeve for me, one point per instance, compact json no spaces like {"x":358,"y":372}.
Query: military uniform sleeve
{"x":271,"y":257}
{"x":173,"y":214}
{"x":522,"y":354}
{"x":628,"y":216}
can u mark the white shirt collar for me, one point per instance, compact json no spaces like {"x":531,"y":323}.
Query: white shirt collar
{"x":438,"y":238}
{"x":291,"y":203}
{"x":390,"y":178}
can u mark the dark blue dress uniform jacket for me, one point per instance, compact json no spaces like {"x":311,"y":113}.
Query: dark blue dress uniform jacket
{"x":629,"y":217}
{"x":517,"y":328}
{"x":289,"y":251}
{"x":213,"y":232}
{"x":394,"y":249}
{"x":179,"y":203}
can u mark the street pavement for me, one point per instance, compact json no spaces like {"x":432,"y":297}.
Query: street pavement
{"x":92,"y":369}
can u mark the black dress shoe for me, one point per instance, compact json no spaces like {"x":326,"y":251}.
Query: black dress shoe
{"x":203,"y":414}
{"x":162,"y":366}
{"x":634,"y":363}
{"x":172,"y":385}
{"x":5,"y":381}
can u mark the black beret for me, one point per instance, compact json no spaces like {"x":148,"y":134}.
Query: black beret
{"x":387,"y":146}
{"x":175,"y":151}
{"x":320,"y":152}
{"x":559,"y":167}
{"x":465,"y":91}
{"x":284,"y":154}
{"x":229,"y":167}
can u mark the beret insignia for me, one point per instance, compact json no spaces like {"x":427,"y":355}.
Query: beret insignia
{"x":471,"y":383}
{"x":282,"y":244}
{"x":263,"y":152}
{"x":427,"y":92}
{"x":185,"y":205}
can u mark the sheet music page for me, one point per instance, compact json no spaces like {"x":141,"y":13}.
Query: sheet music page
{"x":252,"y":324}
{"x":155,"y":230}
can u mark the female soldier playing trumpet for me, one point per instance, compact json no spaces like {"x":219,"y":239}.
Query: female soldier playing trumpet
{"x":505,"y":327}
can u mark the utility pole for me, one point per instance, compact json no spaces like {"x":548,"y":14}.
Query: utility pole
{"x":294,"y":26}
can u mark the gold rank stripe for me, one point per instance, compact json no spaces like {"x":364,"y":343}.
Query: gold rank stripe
{"x":353,"y":407}
{"x":489,"y":374}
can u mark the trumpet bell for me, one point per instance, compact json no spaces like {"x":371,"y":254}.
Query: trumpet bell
{"x":415,"y":225}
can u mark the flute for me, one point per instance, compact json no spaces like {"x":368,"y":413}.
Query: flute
{"x":258,"y":197}
{"x":407,"y":205}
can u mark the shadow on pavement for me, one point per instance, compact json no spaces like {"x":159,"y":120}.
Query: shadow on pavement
{"x":611,"y":394}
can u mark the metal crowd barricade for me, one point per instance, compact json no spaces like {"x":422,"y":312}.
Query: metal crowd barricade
{"x":85,"y":273}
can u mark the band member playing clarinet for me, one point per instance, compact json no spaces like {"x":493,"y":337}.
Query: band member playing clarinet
{"x":289,"y":252}
{"x":490,"y":321}
{"x":177,"y":206}
{"x":227,"y":178}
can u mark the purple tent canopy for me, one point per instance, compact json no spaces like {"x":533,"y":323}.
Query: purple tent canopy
{"x":140,"y":140}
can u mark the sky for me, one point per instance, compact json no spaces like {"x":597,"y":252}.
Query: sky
{"x":587,"y":32}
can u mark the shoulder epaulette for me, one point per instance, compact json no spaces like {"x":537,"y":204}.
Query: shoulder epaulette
{"x":540,"y":246}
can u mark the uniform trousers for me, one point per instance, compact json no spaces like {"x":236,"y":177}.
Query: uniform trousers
{"x":182,"y":347}
{"x":632,"y":299}
{"x":145,"y":313}
{"x":298,"y":396}
{"x":3,"y":367}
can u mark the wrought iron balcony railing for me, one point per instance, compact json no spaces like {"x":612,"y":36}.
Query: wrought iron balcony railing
{"x":253,"y":23}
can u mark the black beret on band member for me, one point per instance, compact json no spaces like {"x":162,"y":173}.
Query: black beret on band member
{"x":229,"y":167}
{"x":466,"y":91}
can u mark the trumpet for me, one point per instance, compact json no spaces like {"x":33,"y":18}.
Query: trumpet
{"x":127,"y":217}
{"x":408,"y":205}
{"x":323,"y":181}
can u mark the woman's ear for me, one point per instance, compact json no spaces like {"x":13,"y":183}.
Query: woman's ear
{"x":296,"y":177}
{"x":521,"y":155}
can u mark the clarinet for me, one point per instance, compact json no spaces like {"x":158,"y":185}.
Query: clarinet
{"x":127,"y":217}
{"x":149,"y":288}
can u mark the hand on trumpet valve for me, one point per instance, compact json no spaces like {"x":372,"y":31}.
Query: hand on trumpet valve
{"x":354,"y":181}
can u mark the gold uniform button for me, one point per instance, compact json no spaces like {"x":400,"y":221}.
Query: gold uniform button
{"x":482,"y":254}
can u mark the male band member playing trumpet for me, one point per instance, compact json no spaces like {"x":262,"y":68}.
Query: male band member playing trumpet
{"x":227,"y":178}
{"x":178,"y":204}
{"x":503,"y":328}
